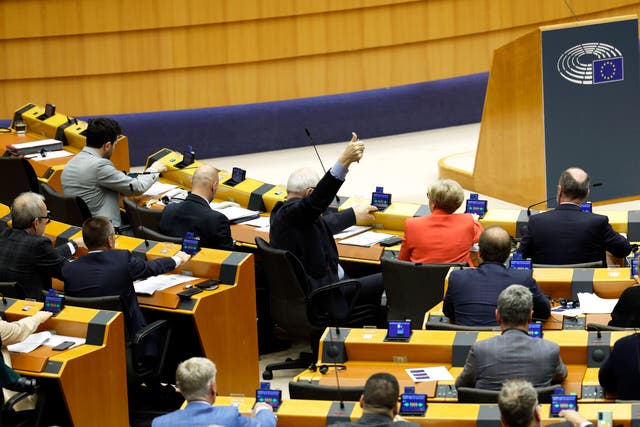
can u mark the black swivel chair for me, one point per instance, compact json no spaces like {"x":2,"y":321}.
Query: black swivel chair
{"x":476,"y":395}
{"x":592,"y":264}
{"x":313,"y":391}
{"x":17,"y":176}
{"x":147,"y":233}
{"x":71,"y":210}
{"x":299,"y":315}
{"x":139,"y":370}
{"x":141,"y":216}
{"x":12,"y":290}
{"x":413,"y":288}
{"x":445,"y":326}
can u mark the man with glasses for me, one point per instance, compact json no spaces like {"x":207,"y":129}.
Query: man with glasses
{"x":92,"y":176}
{"x":26,"y":256}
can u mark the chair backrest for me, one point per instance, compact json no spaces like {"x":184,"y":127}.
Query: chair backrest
{"x":17,"y":176}
{"x":147,"y":233}
{"x":412,"y":288}
{"x":592,"y":264}
{"x":314,"y":391}
{"x":140,"y":215}
{"x":12,"y":290}
{"x":286,"y":291}
{"x":441,"y":326}
{"x":111,"y":302}
{"x":600,"y":327}
{"x":71,"y":210}
{"x":476,"y":395}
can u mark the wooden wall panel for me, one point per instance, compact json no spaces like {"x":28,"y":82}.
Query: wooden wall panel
{"x":95,"y":57}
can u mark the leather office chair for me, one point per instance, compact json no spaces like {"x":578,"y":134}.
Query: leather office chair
{"x":476,"y":395}
{"x":12,"y":290}
{"x":592,"y":264}
{"x":442,"y":326}
{"x":147,"y":233}
{"x":141,"y":216}
{"x":313,"y":391}
{"x":17,"y":176}
{"x":298,"y":315}
{"x":600,"y":327}
{"x":71,"y":210}
{"x":413,"y":288}
{"x":139,"y":370}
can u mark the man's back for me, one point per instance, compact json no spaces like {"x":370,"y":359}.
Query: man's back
{"x":195,"y":215}
{"x":567,"y":235}
{"x":201,"y":414}
{"x":512,"y":355}
{"x":472,"y":294}
{"x":376,"y":420}
{"x":31,"y":260}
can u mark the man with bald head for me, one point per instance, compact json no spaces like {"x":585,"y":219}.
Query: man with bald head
{"x":300,"y":226}
{"x":195,"y":215}
{"x":472,"y":295}
{"x":566,"y":235}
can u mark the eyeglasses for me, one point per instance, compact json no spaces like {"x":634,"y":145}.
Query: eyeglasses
{"x":48,"y":217}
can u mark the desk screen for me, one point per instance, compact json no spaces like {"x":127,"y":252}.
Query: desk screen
{"x":399,"y":329}
{"x":586,"y":207}
{"x":238,"y":175}
{"x":413,"y":404}
{"x":561,"y":402}
{"x":478,"y":207}
{"x":520,"y":264}
{"x":381,"y":200}
{"x":270,"y":397}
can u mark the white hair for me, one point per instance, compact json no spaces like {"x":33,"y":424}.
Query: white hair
{"x":302,"y":179}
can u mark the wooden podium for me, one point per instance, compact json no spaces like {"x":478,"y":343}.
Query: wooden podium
{"x":537,"y":122}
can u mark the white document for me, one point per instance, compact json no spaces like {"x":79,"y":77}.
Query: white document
{"x":34,"y":144}
{"x":569,"y":312}
{"x":59,"y":339}
{"x":351,"y":231}
{"x":433,"y":373}
{"x":368,"y":238}
{"x":158,"y":188}
{"x":592,"y":303}
{"x":261,"y":221}
{"x":158,"y":283}
{"x":32,"y":342}
{"x":234,"y":212}
{"x":49,"y":155}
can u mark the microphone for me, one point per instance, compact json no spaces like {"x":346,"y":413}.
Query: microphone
{"x":333,"y":353}
{"x":597,"y":184}
{"x":319,"y":158}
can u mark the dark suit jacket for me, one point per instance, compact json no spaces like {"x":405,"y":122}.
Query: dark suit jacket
{"x":514,"y":354}
{"x":472,"y":295}
{"x":30,"y":260}
{"x":376,"y":420}
{"x":567,"y":235}
{"x":620,"y":373}
{"x":298,"y":226}
{"x":626,"y":313}
{"x":112,"y":272}
{"x":195,"y":215}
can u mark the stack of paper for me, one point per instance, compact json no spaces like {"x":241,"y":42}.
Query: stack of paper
{"x":157,"y":283}
{"x":234,"y":213}
{"x":592,"y":303}
{"x":32,"y":342}
{"x":351,"y":231}
{"x":368,"y":238}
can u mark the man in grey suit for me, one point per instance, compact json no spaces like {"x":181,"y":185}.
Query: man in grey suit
{"x":513,"y":354}
{"x":92,"y":176}
{"x":518,"y":403}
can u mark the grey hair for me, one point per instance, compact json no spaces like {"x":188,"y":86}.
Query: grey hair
{"x":302,"y":179}
{"x":446,"y":194}
{"x":194,"y":376}
{"x":25,"y":208}
{"x":515,"y":304}
{"x":517,"y":402}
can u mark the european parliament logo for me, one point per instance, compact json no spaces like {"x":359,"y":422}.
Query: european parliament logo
{"x":591,"y":63}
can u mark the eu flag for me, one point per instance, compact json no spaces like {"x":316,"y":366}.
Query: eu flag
{"x":608,"y":70}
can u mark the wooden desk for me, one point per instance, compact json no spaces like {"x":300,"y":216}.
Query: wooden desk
{"x":218,"y":324}
{"x":314,"y":413}
{"x":50,"y":170}
{"x":91,"y":377}
{"x":367,"y":353}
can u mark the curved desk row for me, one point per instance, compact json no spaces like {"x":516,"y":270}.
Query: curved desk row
{"x":218,"y":324}
{"x":317,"y":413}
{"x":364,"y":352}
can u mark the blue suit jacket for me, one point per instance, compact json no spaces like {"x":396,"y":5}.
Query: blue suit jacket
{"x":472,"y":295}
{"x":196,"y":216}
{"x":567,"y":235}
{"x":620,"y":373}
{"x":197,"y":414}
{"x":112,"y":272}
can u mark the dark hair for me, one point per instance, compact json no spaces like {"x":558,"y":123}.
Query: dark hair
{"x":381,"y":391}
{"x":572,"y":188}
{"x":495,"y":244}
{"x":100,"y":131}
{"x":95,"y":232}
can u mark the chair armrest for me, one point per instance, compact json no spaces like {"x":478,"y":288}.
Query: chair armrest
{"x":13,"y":400}
{"x":148,"y":330}
{"x":333,"y":286}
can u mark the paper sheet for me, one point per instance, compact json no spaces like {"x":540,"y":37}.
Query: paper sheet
{"x":432,"y":373}
{"x":234,"y":212}
{"x":351,"y":231}
{"x":49,"y":155}
{"x":158,"y":188}
{"x":32,"y":342}
{"x":592,"y":303}
{"x":261,"y":221}
{"x":368,"y":238}
{"x":158,"y":283}
{"x":58,"y":339}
